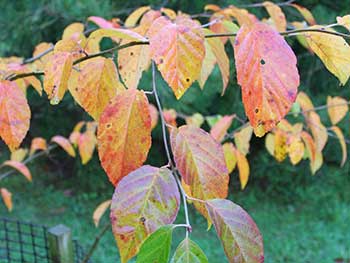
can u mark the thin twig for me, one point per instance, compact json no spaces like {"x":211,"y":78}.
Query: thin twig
{"x":29,"y":159}
{"x":30,"y":60}
{"x":94,"y":245}
{"x":322,"y":107}
{"x":262,"y":4}
{"x":165,"y":141}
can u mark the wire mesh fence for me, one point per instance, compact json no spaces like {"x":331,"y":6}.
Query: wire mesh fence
{"x":28,"y":243}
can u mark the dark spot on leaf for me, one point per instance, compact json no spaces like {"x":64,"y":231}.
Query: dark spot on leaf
{"x":262,"y":62}
{"x":161,"y":61}
{"x":108,"y":125}
{"x":256,"y":110}
{"x":142,"y":219}
{"x":120,"y":67}
{"x":188,"y":80}
{"x":131,"y":53}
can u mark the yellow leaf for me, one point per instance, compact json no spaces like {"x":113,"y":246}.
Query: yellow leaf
{"x":57,"y":72}
{"x":243,"y":168}
{"x":277,"y":15}
{"x":168,"y":12}
{"x":20,"y":167}
{"x":305,"y":13}
{"x":344,"y":21}
{"x":242,"y":139}
{"x":304,"y":102}
{"x":178,"y":50}
{"x":7,"y":198}
{"x":135,"y":16}
{"x":280,"y":145}
{"x":73,"y":30}
{"x":316,"y":165}
{"x":333,"y":50}
{"x":100,"y":210}
{"x":230,"y":156}
{"x":37,"y":144}
{"x":342,"y":142}
{"x":296,"y":149}
{"x":337,"y":108}
{"x":97,"y":85}
{"x":19,"y":154}
{"x":310,"y":146}
{"x":318,"y":130}
{"x":270,"y":143}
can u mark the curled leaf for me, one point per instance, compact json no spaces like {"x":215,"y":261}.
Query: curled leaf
{"x":7,"y":198}
{"x":20,"y":167}
{"x":64,"y":143}
{"x":100,"y":210}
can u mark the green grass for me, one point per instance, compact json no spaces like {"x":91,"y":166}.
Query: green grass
{"x":305,"y":220}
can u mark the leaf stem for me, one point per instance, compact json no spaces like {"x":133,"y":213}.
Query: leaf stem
{"x":166,"y":147}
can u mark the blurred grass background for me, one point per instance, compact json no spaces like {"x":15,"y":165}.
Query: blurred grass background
{"x":303,"y":218}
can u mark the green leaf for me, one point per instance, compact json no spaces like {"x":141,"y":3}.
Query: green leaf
{"x":237,"y":231}
{"x":156,"y":248}
{"x":189,"y":252}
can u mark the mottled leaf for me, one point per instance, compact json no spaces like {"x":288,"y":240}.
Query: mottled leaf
{"x":64,"y":143}
{"x":14,"y":114}
{"x":189,"y":252}
{"x":156,"y":247}
{"x":267,"y":72}
{"x":124,"y":134}
{"x":337,"y":108}
{"x":100,"y":210}
{"x":296,"y":149}
{"x":20,"y":167}
{"x":143,"y":201}
{"x":98,"y":84}
{"x":201,"y":163}
{"x":237,"y":231}
{"x":178,"y":50}
{"x":280,"y":145}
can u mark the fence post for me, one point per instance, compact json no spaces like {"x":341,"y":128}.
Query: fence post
{"x":60,"y":244}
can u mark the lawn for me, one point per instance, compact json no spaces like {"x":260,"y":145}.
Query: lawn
{"x":302,"y":219}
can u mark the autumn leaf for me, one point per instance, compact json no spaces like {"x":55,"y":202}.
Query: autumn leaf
{"x":73,"y":31}
{"x":242,"y":16}
{"x":64,"y":144}
{"x":306,"y":14}
{"x":189,"y":252}
{"x":157,"y":246}
{"x":115,"y":33}
{"x":237,"y":231}
{"x":135,"y":16}
{"x":310,"y":146}
{"x":344,"y":21}
{"x":100,"y":210}
{"x":7,"y":198}
{"x":318,"y":130}
{"x":277,"y":15}
{"x":37,"y":144}
{"x":270,"y":143}
{"x":333,"y":50}
{"x":317,"y":164}
{"x":178,"y":50}
{"x":124,"y":134}
{"x":14,"y":114}
{"x":243,"y":168}
{"x":19,"y":154}
{"x":295,"y":149}
{"x":242,"y":139}
{"x":170,"y":116}
{"x":134,"y":60}
{"x":196,"y":119}
{"x":201,"y":163}
{"x":57,"y":72}
{"x":267,"y":73}
{"x":168,"y":12}
{"x":337,"y":108}
{"x":305,"y":102}
{"x":230,"y":156}
{"x":342,"y":142}
{"x":280,"y":145}
{"x":214,"y":53}
{"x":143,"y":201}
{"x":103,"y":23}
{"x":86,"y":145}
{"x":222,"y":24}
{"x":219,"y":130}
{"x":20,"y":167}
{"x":97,"y":85}
{"x":154,"y":115}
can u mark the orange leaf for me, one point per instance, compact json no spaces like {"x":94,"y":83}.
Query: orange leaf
{"x":178,"y":50}
{"x":124,"y":134}
{"x":134,"y":60}
{"x":201,"y":163}
{"x":220,"y":128}
{"x":64,"y":143}
{"x":310,"y":146}
{"x":243,"y":168}
{"x":100,"y":210}
{"x":337,"y":108}
{"x":342,"y":142}
{"x":37,"y":144}
{"x":97,"y":85}
{"x":242,"y":16}
{"x":57,"y":72}
{"x":267,"y":72}
{"x":14,"y":114}
{"x":316,"y":165}
{"x":7,"y":198}
{"x":19,"y":167}
{"x":154,"y":115}
{"x":277,"y":15}
{"x":86,"y":145}
{"x":318,"y":130}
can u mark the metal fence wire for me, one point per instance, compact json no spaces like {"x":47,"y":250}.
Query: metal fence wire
{"x":28,"y":243}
